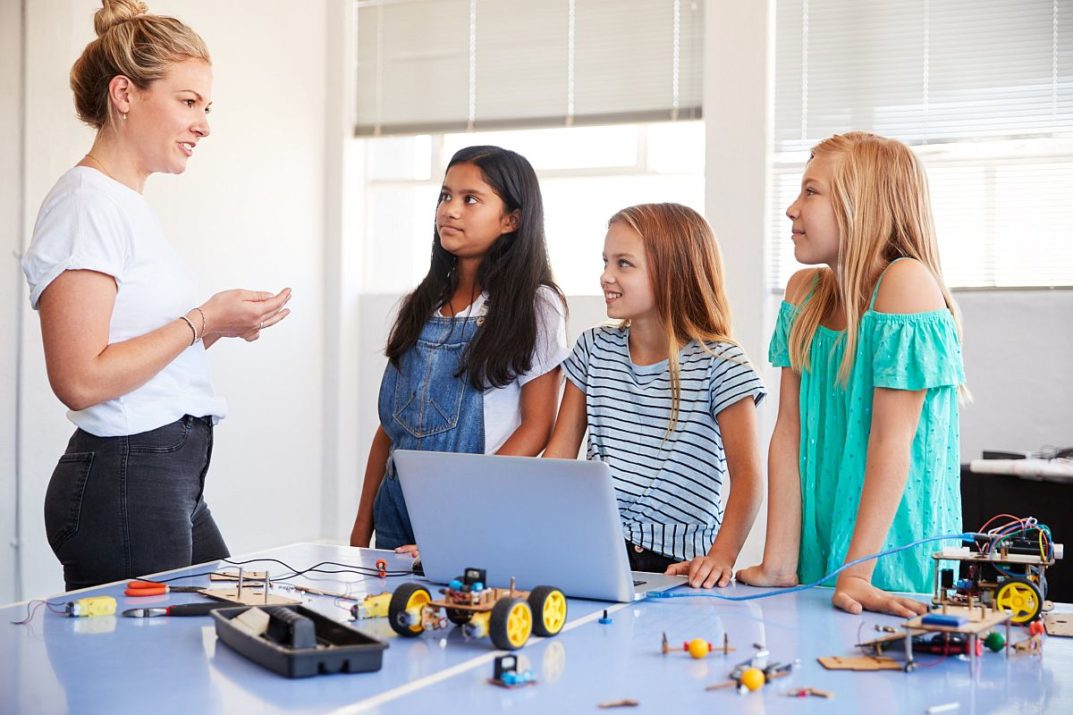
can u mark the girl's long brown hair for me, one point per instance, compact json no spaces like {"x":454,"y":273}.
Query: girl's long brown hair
{"x":686,"y":272}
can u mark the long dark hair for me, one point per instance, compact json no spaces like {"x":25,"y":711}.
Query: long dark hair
{"x":511,"y":272}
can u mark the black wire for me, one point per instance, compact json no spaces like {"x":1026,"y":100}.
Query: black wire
{"x":174,"y":578}
{"x":345,"y":568}
{"x":315,"y":568}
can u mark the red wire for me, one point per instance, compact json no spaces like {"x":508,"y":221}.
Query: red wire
{"x":1018,"y":519}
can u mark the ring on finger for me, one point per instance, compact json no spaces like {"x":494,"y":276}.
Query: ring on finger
{"x":261,"y":325}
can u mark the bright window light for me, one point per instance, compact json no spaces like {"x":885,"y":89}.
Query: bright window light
{"x":586,"y":175}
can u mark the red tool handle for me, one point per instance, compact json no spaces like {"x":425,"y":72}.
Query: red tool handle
{"x":144,"y":584}
{"x":141,"y":593}
{"x":139,"y":589}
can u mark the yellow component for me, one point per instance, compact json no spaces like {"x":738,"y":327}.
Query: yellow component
{"x":92,"y":606}
{"x":519,"y":624}
{"x":554,"y":615}
{"x":414,"y":606}
{"x":1020,"y":599}
{"x":698,"y":648}
{"x":477,"y":627}
{"x":374,"y":606}
{"x":753,"y":679}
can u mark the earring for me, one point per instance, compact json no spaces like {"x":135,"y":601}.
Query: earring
{"x":124,"y":116}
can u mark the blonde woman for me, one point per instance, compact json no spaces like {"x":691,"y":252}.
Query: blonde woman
{"x":123,"y":335}
{"x":864,"y":455}
{"x":668,"y":398}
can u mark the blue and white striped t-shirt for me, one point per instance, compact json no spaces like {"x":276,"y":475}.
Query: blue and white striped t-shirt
{"x":669,"y":487}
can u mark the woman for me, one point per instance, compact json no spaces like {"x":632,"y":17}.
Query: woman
{"x":124,"y":347}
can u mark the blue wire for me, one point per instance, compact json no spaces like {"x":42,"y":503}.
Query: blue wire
{"x":968,"y":536}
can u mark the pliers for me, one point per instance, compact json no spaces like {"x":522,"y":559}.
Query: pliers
{"x":186,"y":609}
{"x":140,"y":589}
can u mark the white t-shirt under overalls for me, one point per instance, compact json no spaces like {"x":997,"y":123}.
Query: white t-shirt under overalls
{"x":503,"y":406}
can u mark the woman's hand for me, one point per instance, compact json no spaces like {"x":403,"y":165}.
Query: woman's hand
{"x":705,"y":571}
{"x":854,"y":594}
{"x":243,"y":313}
{"x":410,"y":549}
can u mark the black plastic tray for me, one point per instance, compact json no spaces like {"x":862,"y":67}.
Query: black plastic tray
{"x":341,"y":649}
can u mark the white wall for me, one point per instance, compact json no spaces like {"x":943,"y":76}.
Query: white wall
{"x":738,"y":80}
{"x":10,"y":284}
{"x":249,"y":212}
{"x":1019,"y":364}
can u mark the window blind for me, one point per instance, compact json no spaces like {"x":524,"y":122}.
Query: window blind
{"x":427,"y":66}
{"x":983,"y":91}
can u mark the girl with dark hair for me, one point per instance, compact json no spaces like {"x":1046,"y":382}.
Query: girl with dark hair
{"x":475,"y":350}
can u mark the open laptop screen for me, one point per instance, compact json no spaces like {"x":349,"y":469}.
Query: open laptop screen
{"x":547,"y":522}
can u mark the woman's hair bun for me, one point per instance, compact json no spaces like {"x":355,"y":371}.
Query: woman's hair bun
{"x":116,"y":12}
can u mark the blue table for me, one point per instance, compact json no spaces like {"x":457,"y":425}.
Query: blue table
{"x":161,"y":665}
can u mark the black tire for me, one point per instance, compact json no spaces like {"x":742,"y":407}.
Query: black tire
{"x":499,"y":625}
{"x":399,"y":600}
{"x":547,"y":624}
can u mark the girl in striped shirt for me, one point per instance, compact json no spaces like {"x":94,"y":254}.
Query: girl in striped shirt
{"x":668,"y":398}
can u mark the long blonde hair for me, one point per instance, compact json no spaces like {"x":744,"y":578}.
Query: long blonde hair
{"x":880,"y":198}
{"x":131,"y":43}
{"x":686,"y":272}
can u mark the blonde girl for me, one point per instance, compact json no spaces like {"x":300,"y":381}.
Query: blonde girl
{"x":864,"y":455}
{"x":668,"y":398}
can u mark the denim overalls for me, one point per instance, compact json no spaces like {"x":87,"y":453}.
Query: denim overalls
{"x":423,"y":405}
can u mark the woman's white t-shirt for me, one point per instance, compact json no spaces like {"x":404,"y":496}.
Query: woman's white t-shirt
{"x":91,"y":222}
{"x":503,"y":406}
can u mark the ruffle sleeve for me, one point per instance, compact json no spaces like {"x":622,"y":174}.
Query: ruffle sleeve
{"x":778,"y":352}
{"x":914,"y":351}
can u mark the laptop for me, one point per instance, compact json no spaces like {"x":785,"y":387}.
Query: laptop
{"x":544,"y":522}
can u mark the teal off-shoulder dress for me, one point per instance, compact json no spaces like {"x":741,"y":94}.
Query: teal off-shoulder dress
{"x":901,"y":351}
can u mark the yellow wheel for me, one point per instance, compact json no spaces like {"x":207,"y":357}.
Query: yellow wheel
{"x":1021,"y":598}
{"x":510,"y":624}
{"x":549,"y":610}
{"x":404,"y":610}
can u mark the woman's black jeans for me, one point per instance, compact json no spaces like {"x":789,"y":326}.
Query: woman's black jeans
{"x":121,"y":507}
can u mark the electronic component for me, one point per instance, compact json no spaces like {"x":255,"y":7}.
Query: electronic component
{"x":91,"y":606}
{"x":505,"y":673}
{"x":942,"y":619}
{"x":372,"y":606}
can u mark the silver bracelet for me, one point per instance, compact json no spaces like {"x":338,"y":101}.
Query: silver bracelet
{"x":187,"y":321}
{"x":202,"y":314}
